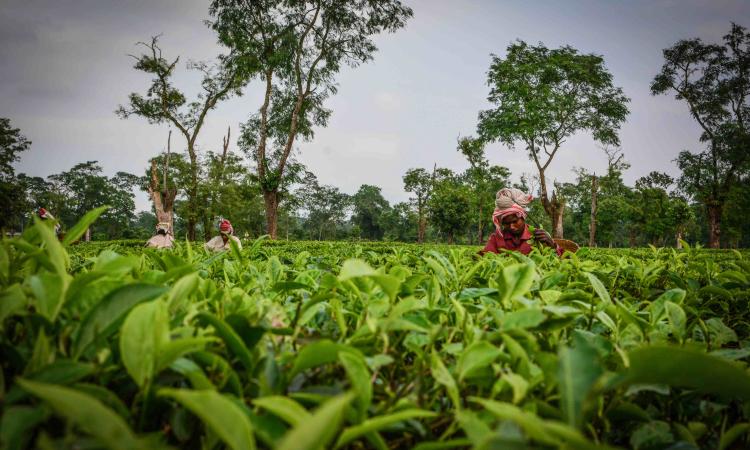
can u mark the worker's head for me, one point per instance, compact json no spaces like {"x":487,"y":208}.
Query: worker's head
{"x":162,"y":228}
{"x":225,"y":229}
{"x":513,"y":223}
{"x":43,"y":213}
{"x":510,"y":212}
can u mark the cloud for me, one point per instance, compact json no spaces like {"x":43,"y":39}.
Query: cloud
{"x":387,"y":101}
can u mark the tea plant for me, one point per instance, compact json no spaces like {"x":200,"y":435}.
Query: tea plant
{"x":358,"y":345}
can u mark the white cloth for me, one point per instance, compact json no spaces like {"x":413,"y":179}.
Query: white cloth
{"x":160,"y":241}
{"x":216,"y":244}
{"x":508,"y":197}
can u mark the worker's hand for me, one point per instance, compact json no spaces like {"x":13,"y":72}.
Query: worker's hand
{"x":543,"y":237}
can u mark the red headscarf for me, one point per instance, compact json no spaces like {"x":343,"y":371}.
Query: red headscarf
{"x":225,"y":227}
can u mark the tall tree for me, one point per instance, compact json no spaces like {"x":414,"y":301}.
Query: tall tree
{"x":714,"y":81}
{"x":296,"y":49}
{"x":12,"y":143}
{"x":544,"y":96}
{"x":369,"y":209}
{"x":420,"y":183}
{"x":164,"y":103}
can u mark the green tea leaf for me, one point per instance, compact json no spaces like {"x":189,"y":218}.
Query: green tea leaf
{"x":318,"y":353}
{"x":12,"y":301}
{"x":284,"y":408}
{"x":516,"y":281}
{"x":75,"y":233}
{"x":599,"y":288}
{"x":683,"y":367}
{"x":731,"y":435}
{"x":219,"y":413}
{"x":106,"y":316}
{"x":144,"y":332}
{"x":320,"y":429}
{"x":353,"y":268}
{"x":441,"y":375}
{"x":231,"y":339}
{"x":477,"y":355}
{"x":378,"y":423}
{"x":677,"y":319}
{"x":86,"y":412}
{"x":578,"y":370}
{"x":522,"y":319}
{"x":17,"y":424}
{"x":359,"y":378}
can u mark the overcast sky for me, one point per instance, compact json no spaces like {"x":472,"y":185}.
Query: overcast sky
{"x":64,"y":69}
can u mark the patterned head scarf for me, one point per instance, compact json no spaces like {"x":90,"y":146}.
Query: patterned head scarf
{"x":509,"y":201}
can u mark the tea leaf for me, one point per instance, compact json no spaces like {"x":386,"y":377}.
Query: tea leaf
{"x":320,"y":429}
{"x":86,"y":412}
{"x":219,"y":413}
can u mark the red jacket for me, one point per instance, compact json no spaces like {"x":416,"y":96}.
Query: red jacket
{"x":496,"y":243}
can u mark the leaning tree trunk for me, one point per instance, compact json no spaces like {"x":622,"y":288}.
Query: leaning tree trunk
{"x":271,"y":199}
{"x":592,"y":222}
{"x":714,"y":224}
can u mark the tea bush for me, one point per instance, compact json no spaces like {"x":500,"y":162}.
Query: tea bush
{"x":296,"y":345}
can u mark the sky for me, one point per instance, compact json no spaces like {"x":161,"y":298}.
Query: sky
{"x":65,"y":66}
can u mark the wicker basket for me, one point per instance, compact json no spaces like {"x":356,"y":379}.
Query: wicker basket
{"x":567,"y":245}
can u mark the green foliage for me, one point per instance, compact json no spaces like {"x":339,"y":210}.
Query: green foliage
{"x":319,"y":344}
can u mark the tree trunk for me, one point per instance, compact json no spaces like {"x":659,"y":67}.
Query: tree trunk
{"x":87,"y":235}
{"x":714,"y":225}
{"x":592,"y":223}
{"x":271,"y":199}
{"x":557,"y":208}
{"x":207,"y":229}
{"x":480,"y":231}
{"x":421,"y":226}
{"x":632,"y":238}
{"x":557,"y":223}
{"x":554,"y":208}
{"x":450,"y":238}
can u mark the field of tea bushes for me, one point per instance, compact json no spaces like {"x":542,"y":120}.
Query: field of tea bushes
{"x":307,"y":345}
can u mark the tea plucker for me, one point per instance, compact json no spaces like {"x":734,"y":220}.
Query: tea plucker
{"x":163,"y":237}
{"x":46,"y":216}
{"x":511,"y":230}
{"x":221,"y":242}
